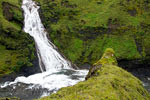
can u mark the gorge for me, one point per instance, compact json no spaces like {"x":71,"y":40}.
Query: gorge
{"x":78,"y":32}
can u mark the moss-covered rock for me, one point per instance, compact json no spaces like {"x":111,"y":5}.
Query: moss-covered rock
{"x":108,"y":58}
{"x":108,"y":82}
{"x":83,"y":29}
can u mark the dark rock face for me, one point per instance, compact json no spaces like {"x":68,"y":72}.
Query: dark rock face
{"x":22,"y":91}
{"x":10,"y":77}
{"x":6,"y":6}
{"x":11,"y":13}
{"x":92,"y":71}
{"x":24,"y":71}
{"x":138,"y":68}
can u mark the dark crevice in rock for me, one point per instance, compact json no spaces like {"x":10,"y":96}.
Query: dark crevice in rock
{"x":139,"y":45}
{"x":6,"y":10}
{"x":138,"y":68}
{"x":11,"y":13}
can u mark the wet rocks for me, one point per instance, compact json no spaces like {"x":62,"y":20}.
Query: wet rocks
{"x":23,"y":91}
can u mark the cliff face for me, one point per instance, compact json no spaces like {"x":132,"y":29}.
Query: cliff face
{"x":105,"y":81}
{"x":83,"y":29}
{"x":17,"y":51}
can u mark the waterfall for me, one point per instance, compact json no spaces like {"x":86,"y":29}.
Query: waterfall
{"x":48,"y":55}
{"x":56,"y":71}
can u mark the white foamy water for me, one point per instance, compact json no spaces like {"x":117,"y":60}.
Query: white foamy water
{"x":58,"y":72}
{"x":52,"y":80}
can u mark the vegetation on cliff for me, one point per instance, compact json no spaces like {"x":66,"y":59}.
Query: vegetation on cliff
{"x":16,"y":47}
{"x":105,"y":81}
{"x":83,"y":29}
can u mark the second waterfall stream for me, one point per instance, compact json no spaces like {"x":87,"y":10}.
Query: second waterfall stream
{"x":56,"y":70}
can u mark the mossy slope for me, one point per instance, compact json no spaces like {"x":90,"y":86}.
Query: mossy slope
{"x":107,"y":82}
{"x":16,"y":47}
{"x":83,"y":29}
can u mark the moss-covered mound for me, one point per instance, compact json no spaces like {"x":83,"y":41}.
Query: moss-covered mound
{"x":83,"y":29}
{"x":16,"y":47}
{"x":107,"y":82}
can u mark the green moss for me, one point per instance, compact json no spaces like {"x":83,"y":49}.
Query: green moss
{"x":124,"y":46}
{"x":107,"y":82}
{"x":99,"y":24}
{"x":107,"y":58}
{"x":75,"y":49}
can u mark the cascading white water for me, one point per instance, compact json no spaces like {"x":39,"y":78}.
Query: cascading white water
{"x":48,"y":56}
{"x":58,"y":72}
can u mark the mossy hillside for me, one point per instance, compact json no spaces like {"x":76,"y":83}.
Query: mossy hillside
{"x":107,"y":82}
{"x":94,"y":25}
{"x":16,"y":47}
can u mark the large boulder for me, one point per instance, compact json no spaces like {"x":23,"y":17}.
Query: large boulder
{"x":105,"y":81}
